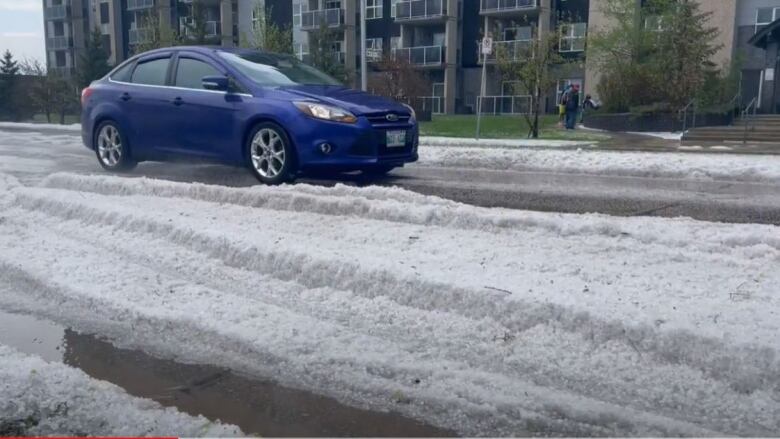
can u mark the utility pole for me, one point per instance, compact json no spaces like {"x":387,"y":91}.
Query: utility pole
{"x":363,"y":61}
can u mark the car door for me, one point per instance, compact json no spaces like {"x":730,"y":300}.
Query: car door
{"x":205,"y":122}
{"x":147,"y":100}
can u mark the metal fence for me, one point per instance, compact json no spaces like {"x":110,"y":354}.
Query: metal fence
{"x":506,"y":5}
{"x":434,"y":104}
{"x":495,"y":105}
{"x":421,"y":56}
{"x":328,"y":17}
{"x":419,"y":9}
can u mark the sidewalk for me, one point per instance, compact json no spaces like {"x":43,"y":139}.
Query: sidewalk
{"x":622,"y":141}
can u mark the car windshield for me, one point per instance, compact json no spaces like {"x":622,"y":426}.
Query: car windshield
{"x":274,"y":70}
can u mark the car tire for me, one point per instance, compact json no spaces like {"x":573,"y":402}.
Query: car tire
{"x":112,"y":149}
{"x":270,"y":154}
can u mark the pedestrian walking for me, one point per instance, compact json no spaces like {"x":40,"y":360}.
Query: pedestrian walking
{"x":587,"y":105}
{"x":572,"y":104}
{"x":562,"y":106}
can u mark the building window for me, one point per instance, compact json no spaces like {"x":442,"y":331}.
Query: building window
{"x":392,"y":7}
{"x":333,"y":4}
{"x":395,"y":43}
{"x":301,"y":51}
{"x":573,"y":37}
{"x":374,"y":9}
{"x":104,"y":17}
{"x":298,"y":10}
{"x":765,"y":16}
{"x":374,"y":49}
{"x":654,"y":23}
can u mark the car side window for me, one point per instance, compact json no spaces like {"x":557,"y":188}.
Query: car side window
{"x":190,"y":73}
{"x":151,"y":72}
{"x":123,"y":73}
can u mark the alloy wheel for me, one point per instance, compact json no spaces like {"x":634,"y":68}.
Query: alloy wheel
{"x":268,"y":154}
{"x":109,"y":146}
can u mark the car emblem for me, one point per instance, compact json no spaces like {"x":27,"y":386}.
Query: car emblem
{"x":392,"y":118}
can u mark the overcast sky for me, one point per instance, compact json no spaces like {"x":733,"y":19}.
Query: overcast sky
{"x":21,"y":28}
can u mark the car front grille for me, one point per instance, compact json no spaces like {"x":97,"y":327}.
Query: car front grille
{"x":380,"y":120}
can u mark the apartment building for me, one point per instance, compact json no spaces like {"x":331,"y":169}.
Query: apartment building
{"x":441,"y":38}
{"x":66,"y":26}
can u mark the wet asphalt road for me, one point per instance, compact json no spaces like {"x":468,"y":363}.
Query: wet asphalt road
{"x":722,"y":201}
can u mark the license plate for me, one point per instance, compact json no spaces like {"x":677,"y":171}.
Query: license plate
{"x":396,"y":139}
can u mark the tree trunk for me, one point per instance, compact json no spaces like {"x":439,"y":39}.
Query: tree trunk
{"x":62,"y":117}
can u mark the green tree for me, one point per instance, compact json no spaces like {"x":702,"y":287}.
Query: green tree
{"x":684,"y":49}
{"x":534,"y":68}
{"x":323,"y":56}
{"x":8,"y":65}
{"x":48,"y":92}
{"x":94,"y":60}
{"x":267,"y":35}
{"x":659,"y":54}
{"x":9,"y":70}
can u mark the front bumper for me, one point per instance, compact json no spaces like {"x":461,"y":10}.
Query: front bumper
{"x":353,"y":146}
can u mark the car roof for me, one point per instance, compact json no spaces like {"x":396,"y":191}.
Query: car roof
{"x":203,"y":49}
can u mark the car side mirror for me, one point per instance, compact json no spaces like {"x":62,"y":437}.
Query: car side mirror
{"x":216,"y":83}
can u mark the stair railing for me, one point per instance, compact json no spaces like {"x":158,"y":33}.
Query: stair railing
{"x":748,"y":117}
{"x":735,"y":106}
{"x":683,"y":114}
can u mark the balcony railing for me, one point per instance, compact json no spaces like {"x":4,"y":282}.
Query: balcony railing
{"x":134,"y":5}
{"x":514,"y":50}
{"x":434,"y":104}
{"x":505,"y":104}
{"x":139,"y":35}
{"x":311,"y":20}
{"x":421,"y":56}
{"x":59,"y":43}
{"x":419,"y":9}
{"x":57,"y":12}
{"x":491,"y":6}
{"x":212,"y":27}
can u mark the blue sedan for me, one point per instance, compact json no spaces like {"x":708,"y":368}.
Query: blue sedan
{"x":268,"y":112}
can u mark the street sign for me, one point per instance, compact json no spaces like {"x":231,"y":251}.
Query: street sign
{"x":487,"y":46}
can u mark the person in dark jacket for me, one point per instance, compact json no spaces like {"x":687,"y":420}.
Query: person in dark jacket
{"x":587,"y":106}
{"x":572,"y":103}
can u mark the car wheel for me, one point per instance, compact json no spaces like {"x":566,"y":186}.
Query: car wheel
{"x":270,"y":154}
{"x":111,"y":148}
{"x":378,"y":171}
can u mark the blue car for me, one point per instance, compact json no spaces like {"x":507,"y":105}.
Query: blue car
{"x":269,"y":112}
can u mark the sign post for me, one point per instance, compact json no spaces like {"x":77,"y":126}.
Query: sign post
{"x":485,"y":49}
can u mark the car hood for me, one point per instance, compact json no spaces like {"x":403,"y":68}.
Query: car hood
{"x":358,"y":102}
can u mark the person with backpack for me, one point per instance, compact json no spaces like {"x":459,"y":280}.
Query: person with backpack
{"x":571,"y":102}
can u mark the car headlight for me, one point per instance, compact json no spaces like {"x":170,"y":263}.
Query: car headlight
{"x":326,"y":112}
{"x":412,"y":112}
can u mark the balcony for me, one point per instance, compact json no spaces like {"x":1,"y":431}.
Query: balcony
{"x":514,"y":50}
{"x":213,"y":27}
{"x":57,"y":12}
{"x":424,"y":56}
{"x":139,"y":35}
{"x":312,"y":20}
{"x":59,"y":43}
{"x":495,"y":105}
{"x":420,"y":11}
{"x":507,"y":7}
{"x":134,"y":5}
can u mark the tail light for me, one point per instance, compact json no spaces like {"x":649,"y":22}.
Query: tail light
{"x":85,"y":94}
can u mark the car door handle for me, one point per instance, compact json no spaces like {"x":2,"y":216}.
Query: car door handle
{"x":178,"y":101}
{"x":125,"y":97}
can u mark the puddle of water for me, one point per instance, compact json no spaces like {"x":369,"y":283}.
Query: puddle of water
{"x":258,"y":407}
